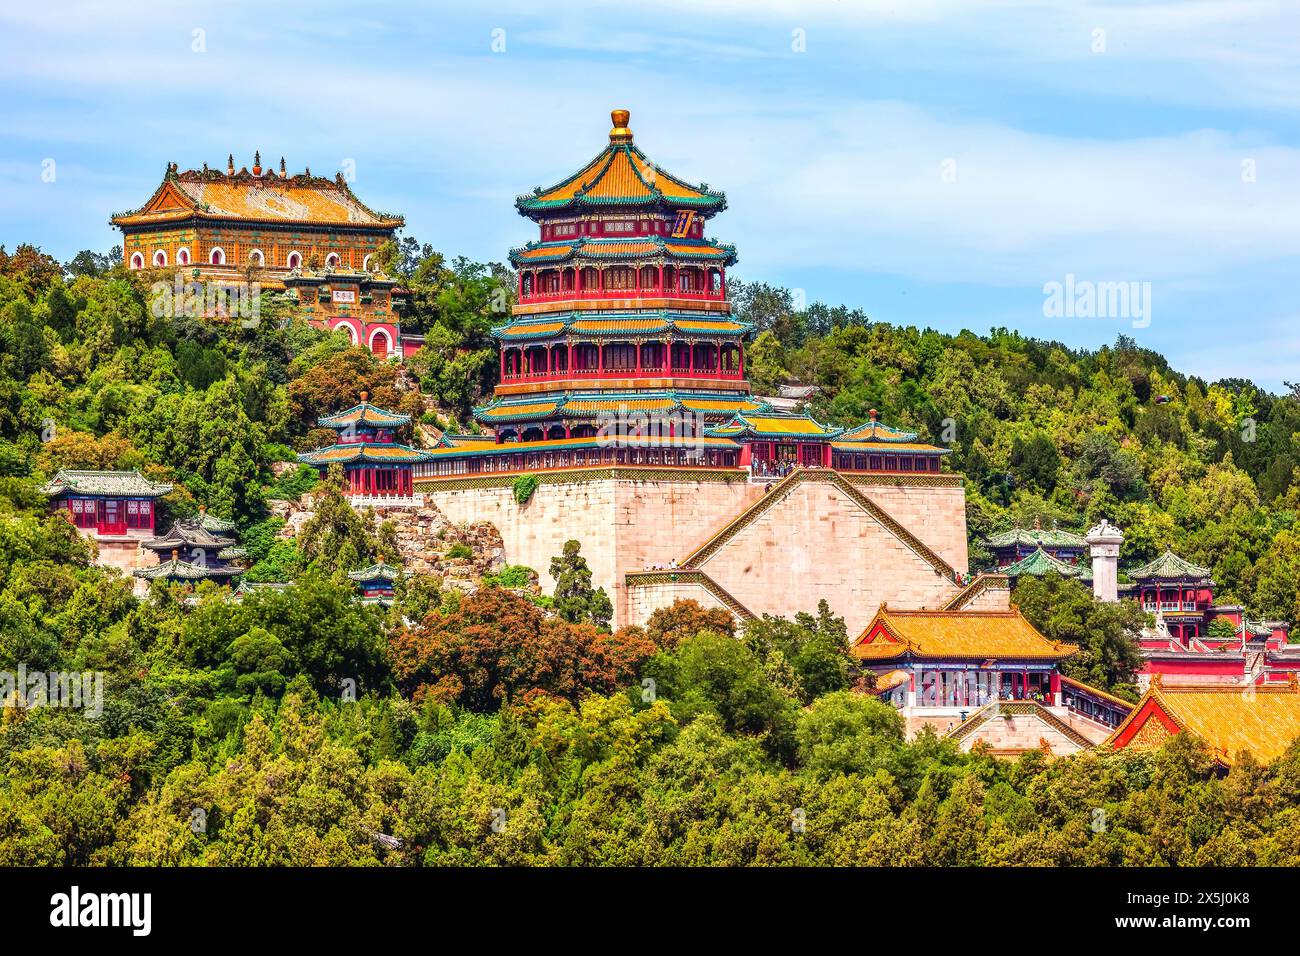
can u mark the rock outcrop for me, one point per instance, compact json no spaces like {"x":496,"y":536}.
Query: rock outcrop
{"x":427,"y":541}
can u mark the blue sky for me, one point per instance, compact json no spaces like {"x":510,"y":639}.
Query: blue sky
{"x":933,"y":162}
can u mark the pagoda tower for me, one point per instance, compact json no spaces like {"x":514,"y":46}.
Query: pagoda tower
{"x":622,"y":349}
{"x":621,"y":309}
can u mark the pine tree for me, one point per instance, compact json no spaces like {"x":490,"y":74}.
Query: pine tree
{"x":575,"y":599}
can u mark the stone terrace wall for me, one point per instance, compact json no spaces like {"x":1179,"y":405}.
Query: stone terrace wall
{"x":623,"y":524}
{"x":642,"y":602}
{"x":1018,"y":733}
{"x":932,"y":508}
{"x":817,"y":543}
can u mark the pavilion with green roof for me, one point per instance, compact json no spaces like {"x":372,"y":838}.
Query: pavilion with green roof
{"x":377,"y":582}
{"x":1040,"y":563}
{"x":107,"y":504}
{"x":621,"y":347}
{"x":1017,"y":543}
{"x":375,"y":465}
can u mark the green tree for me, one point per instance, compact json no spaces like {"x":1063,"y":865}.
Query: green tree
{"x":575,"y":599}
{"x":1106,"y":634}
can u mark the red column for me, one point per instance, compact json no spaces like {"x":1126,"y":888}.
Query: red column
{"x":690,"y":355}
{"x":569,"y":360}
{"x":668,"y":346}
{"x":600,"y":361}
{"x":637,"y":345}
{"x":661,"y":279}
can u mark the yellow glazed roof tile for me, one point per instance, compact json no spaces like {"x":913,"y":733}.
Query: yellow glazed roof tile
{"x":958,"y":634}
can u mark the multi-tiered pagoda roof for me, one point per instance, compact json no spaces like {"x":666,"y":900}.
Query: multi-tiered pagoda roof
{"x":621,"y":347}
{"x":375,"y":465}
{"x":620,"y":176}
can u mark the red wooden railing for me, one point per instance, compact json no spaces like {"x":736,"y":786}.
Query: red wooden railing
{"x":645,"y":372}
{"x":707,"y":295}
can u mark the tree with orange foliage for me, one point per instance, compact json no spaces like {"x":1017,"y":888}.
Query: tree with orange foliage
{"x":33,"y":270}
{"x":73,"y":449}
{"x":498,"y":646}
{"x":669,"y":626}
{"x":337,"y":382}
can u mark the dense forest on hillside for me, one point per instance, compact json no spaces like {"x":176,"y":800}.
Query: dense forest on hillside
{"x":504,"y":727}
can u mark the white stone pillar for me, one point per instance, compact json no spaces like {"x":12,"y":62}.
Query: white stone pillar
{"x":1104,"y":541}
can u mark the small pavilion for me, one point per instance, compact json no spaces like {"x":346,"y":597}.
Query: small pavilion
{"x":376,"y":467}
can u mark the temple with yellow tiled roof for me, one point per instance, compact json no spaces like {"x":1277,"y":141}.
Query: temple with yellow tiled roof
{"x":308,"y":237}
{"x":622,"y":348}
{"x":1261,"y":721}
{"x":984,"y":675}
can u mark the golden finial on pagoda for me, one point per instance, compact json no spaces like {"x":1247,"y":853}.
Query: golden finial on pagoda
{"x":282,"y":173}
{"x":257,"y":162}
{"x":230,"y":164}
{"x":620,"y":132}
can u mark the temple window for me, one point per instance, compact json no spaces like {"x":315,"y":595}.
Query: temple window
{"x":255,"y":258}
{"x":294,"y":260}
{"x":218,"y":257}
{"x":183,"y":256}
{"x":137,"y":260}
{"x":160,"y":258}
{"x":620,"y":277}
{"x":138,"y":514}
{"x":332,"y":261}
{"x":83,"y":512}
{"x":620,"y":226}
{"x":365,"y":263}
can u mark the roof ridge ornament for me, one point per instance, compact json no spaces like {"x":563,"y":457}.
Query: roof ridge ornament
{"x":620,"y":133}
